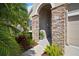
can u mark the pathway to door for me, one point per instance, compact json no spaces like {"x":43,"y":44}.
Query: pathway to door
{"x":37,"y":50}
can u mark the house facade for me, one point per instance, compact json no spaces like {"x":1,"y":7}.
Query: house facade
{"x":60,"y":23}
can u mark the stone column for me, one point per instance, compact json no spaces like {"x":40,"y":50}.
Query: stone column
{"x":35,"y":27}
{"x":59,"y":23}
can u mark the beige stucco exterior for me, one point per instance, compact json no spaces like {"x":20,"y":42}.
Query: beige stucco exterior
{"x":37,"y":5}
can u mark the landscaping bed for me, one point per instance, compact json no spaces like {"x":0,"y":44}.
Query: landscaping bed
{"x":53,"y":50}
{"x":25,"y":41}
{"x":30,"y":46}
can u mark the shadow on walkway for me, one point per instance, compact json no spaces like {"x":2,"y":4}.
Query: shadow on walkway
{"x":29,"y":53}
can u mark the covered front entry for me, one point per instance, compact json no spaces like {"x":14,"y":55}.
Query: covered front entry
{"x":45,"y":21}
{"x":53,"y":21}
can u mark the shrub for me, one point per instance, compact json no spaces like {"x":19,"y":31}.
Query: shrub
{"x":12,"y":15}
{"x":31,"y":42}
{"x":53,"y":50}
{"x":29,"y":34}
{"x":41,"y":35}
{"x":21,"y":39}
{"x":8,"y":44}
{"x":25,"y":41}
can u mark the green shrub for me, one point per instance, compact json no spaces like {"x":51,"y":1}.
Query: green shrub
{"x":29,"y":34}
{"x":8,"y":44}
{"x":12,"y":15}
{"x":31,"y":42}
{"x":53,"y":50}
{"x":41,"y":35}
{"x":25,"y":41}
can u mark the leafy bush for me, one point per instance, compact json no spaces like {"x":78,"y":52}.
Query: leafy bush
{"x":53,"y":50}
{"x":22,"y":39}
{"x":12,"y":15}
{"x":41,"y":34}
{"x":8,"y":44}
{"x":31,"y":42}
{"x":29,"y":34}
{"x":26,"y":41}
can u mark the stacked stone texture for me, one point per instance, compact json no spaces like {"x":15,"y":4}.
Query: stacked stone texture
{"x":35,"y":28}
{"x":58,"y":26}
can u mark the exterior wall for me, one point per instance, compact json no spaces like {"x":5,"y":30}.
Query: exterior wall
{"x":59,"y":25}
{"x":72,"y":31}
{"x":36,"y":7}
{"x":35,"y":28}
{"x":35,"y":19}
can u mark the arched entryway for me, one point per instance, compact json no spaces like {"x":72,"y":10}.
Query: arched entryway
{"x":45,"y":20}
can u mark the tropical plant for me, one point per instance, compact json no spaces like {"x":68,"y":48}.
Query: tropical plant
{"x":12,"y":15}
{"x":53,"y":50}
{"x":8,"y":44}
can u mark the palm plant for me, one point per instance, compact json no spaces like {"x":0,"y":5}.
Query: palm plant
{"x":12,"y":15}
{"x":8,"y":44}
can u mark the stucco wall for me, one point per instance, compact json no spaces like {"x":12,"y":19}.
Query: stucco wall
{"x":37,"y":5}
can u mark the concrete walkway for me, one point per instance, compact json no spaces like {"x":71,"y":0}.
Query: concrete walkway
{"x":37,"y":50}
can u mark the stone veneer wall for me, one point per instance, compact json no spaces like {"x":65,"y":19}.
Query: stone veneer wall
{"x":35,"y":27}
{"x":59,"y":27}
